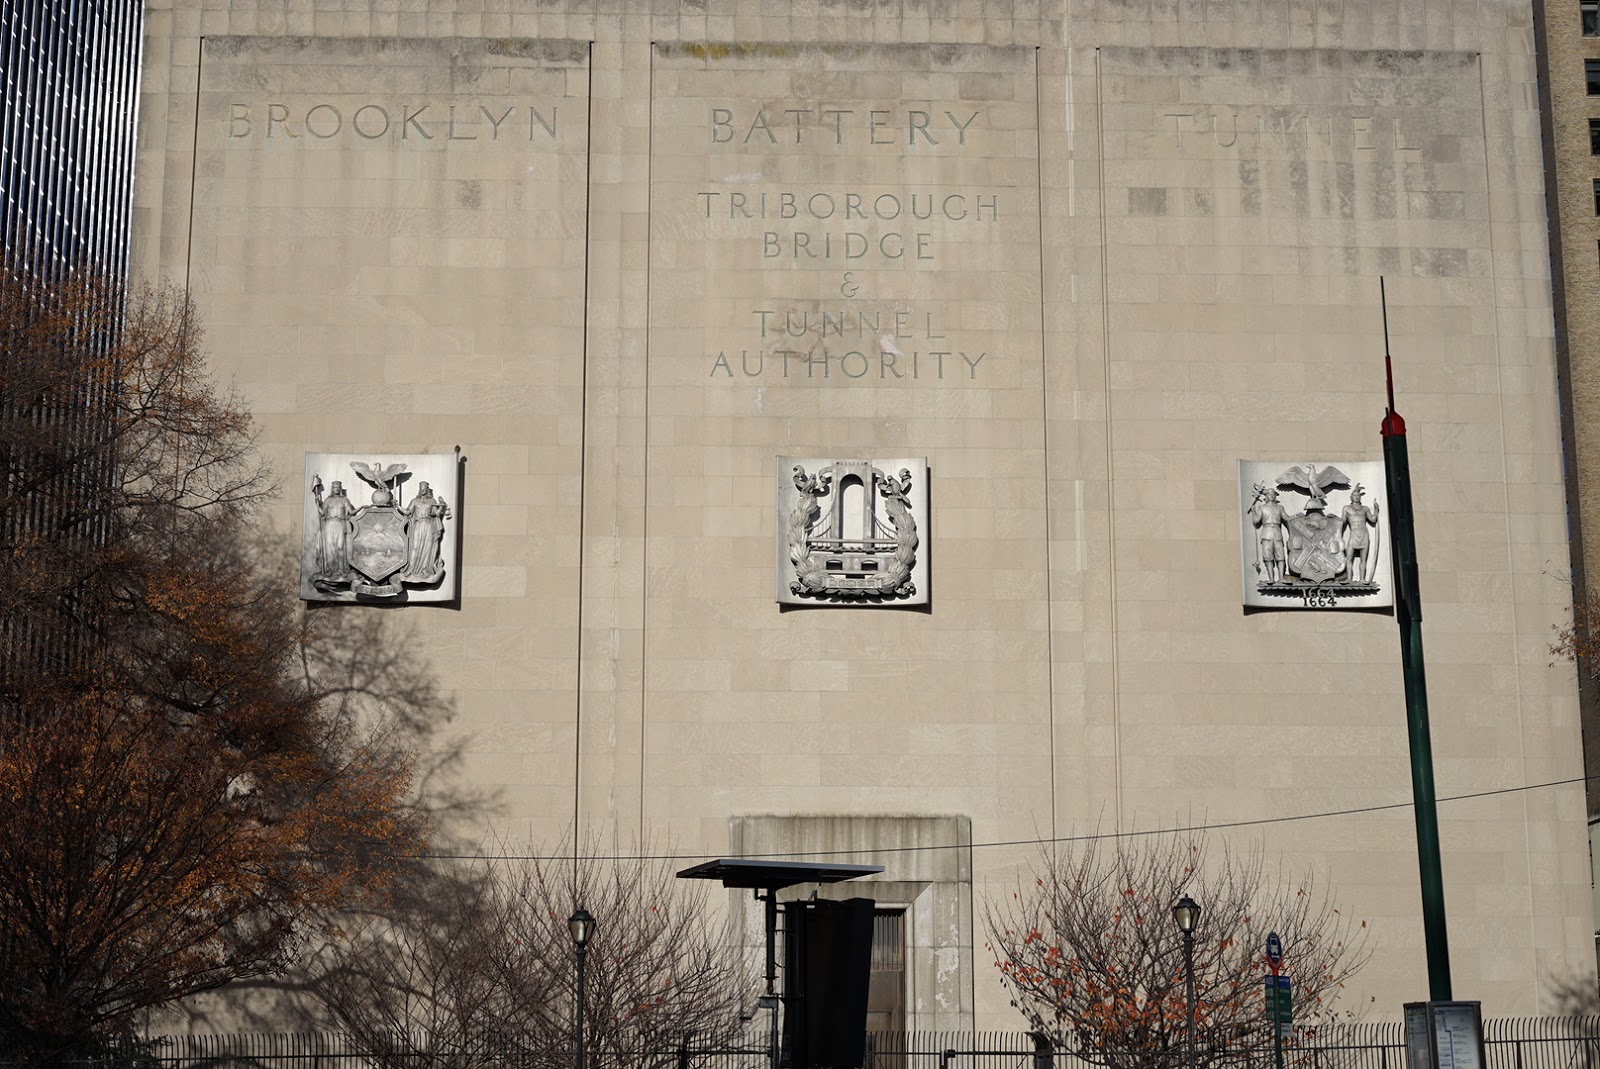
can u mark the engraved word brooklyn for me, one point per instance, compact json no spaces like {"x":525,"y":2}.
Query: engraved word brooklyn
{"x":394,"y":122}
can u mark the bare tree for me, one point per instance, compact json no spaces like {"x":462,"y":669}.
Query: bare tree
{"x":1092,"y":957}
{"x":490,"y":975}
{"x":424,"y":987}
{"x":1579,"y":641}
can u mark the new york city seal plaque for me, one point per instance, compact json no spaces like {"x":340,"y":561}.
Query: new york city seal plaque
{"x":1313,"y":535}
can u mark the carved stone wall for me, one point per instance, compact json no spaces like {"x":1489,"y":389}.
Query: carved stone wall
{"x":1080,"y":257}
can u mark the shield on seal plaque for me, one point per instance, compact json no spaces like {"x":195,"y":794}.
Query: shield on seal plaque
{"x":1313,"y":555}
{"x":377,"y":542}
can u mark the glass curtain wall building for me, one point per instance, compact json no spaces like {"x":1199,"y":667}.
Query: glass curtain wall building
{"x":71,"y":71}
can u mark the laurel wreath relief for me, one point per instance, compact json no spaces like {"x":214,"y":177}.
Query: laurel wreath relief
{"x":812,"y":578}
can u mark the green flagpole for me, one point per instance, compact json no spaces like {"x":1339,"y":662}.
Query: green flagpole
{"x":1408,"y":614}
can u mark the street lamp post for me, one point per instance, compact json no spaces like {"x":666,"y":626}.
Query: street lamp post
{"x":582,"y":926}
{"x":1186,"y":912}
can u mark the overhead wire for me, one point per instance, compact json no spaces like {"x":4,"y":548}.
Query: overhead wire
{"x":1181,"y":829}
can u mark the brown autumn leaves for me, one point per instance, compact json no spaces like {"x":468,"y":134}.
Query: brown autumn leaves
{"x":189,"y":774}
{"x":202,"y":783}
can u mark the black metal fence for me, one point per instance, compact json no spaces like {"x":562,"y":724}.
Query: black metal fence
{"x":1510,"y":1043}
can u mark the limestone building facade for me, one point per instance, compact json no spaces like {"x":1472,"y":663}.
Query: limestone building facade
{"x":1079,"y":258}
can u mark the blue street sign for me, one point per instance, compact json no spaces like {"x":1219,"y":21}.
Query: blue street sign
{"x":1274,"y":949}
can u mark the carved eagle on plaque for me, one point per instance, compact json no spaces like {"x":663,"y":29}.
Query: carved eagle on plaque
{"x":1315,"y":484}
{"x":380,"y":476}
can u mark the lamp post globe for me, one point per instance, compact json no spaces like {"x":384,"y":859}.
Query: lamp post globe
{"x":1186,"y":915}
{"x":582,"y":925}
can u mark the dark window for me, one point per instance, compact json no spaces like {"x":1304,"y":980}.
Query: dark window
{"x":1594,"y":137}
{"x":1591,"y":72}
{"x":886,"y":987}
{"x":1597,"y":196}
{"x":1589,"y":15}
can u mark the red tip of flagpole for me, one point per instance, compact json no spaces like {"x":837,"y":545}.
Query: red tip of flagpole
{"x":1393,"y":425}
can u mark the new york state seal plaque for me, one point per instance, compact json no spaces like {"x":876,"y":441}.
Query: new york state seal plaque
{"x":380,"y":529}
